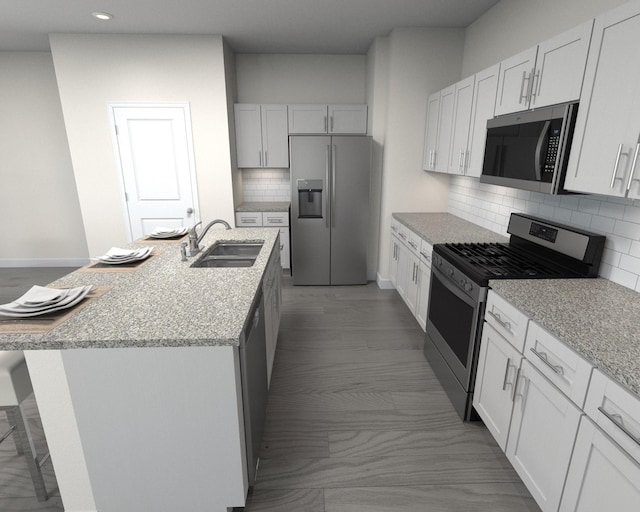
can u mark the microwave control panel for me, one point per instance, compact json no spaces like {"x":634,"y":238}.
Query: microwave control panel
{"x":552,"y":150}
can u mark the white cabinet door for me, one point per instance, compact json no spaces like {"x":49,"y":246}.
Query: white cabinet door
{"x":462,"y":103}
{"x":285,"y":251}
{"x":605,"y":144}
{"x":248,"y":135}
{"x":307,"y":119}
{"x":560,"y":66}
{"x":402,"y":279}
{"x":498,"y":365}
{"x":543,"y":429}
{"x":424,"y":283}
{"x":275,"y":136}
{"x":484,"y":103}
{"x":514,"y":82}
{"x":601,"y":475}
{"x":262,"y":138}
{"x":411,"y":291}
{"x":393,"y":261}
{"x":431,"y":132}
{"x":348,"y":119}
{"x":445,"y":129}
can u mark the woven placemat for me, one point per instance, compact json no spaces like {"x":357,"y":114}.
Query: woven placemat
{"x":44,"y":323}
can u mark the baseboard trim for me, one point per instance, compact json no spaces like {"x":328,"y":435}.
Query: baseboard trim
{"x":43,"y":262}
{"x":384,"y":283}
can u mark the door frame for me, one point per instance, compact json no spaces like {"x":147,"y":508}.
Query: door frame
{"x":111,"y":106}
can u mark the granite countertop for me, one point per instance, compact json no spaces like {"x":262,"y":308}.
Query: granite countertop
{"x":597,"y":318}
{"x":440,"y":228}
{"x":264,"y":206}
{"x":164,"y":303}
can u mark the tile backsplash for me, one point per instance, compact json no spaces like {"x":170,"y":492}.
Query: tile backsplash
{"x":619,"y":219}
{"x":266,"y":185}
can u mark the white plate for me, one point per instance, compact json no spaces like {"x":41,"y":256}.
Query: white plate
{"x":74,"y":296}
{"x":41,"y":295}
{"x":117,"y":256}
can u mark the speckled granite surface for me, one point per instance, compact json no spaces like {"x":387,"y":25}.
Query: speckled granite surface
{"x":596,"y":317}
{"x":163,"y":303}
{"x":440,"y":228}
{"x":264,"y":206}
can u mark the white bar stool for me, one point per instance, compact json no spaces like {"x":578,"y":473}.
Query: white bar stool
{"x":15,"y":386}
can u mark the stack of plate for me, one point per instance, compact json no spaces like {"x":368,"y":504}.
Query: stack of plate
{"x":168,"y":232}
{"x":117,"y":256}
{"x":40,"y":300}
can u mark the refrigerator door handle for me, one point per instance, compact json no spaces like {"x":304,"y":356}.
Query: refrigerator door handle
{"x":326,"y":186}
{"x":333,"y":186}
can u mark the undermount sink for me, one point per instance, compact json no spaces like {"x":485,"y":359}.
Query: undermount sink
{"x":229,"y":255}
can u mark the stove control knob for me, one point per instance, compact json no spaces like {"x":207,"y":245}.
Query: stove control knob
{"x":468,"y":286}
{"x":450,"y":271}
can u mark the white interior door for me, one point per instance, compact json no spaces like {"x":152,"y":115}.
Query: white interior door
{"x":155,"y":152}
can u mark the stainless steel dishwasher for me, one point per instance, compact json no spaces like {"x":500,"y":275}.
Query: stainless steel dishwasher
{"x":253,"y":369}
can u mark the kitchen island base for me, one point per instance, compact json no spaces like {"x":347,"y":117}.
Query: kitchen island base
{"x":133,"y":429}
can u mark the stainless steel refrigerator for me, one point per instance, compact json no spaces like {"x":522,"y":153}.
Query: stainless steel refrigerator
{"x":330,"y":178}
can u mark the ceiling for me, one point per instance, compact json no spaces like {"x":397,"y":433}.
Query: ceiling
{"x":250,"y":26}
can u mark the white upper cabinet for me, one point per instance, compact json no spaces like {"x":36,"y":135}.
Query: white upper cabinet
{"x":462,"y":104}
{"x":261,"y":135}
{"x":333,"y":119}
{"x":431,"y":132}
{"x":347,"y":119}
{"x":546,"y":74}
{"x":445,"y":128}
{"x":604,"y":157}
{"x":484,"y":102}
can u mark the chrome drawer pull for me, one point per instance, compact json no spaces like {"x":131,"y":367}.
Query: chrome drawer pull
{"x":497,"y":318}
{"x":413,"y":244}
{"x":615,"y":166}
{"x":619,"y":423}
{"x":545,"y":359}
{"x":403,"y":236}
{"x":506,"y":374}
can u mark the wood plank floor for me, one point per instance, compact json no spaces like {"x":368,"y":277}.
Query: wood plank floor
{"x":357,"y":421}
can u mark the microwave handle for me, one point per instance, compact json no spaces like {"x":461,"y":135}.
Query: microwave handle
{"x":538,"y":155}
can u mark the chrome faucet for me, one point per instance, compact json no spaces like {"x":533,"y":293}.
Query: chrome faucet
{"x":194,"y":239}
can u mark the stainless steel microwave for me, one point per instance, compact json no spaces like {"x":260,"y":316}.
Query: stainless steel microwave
{"x":530,"y":150}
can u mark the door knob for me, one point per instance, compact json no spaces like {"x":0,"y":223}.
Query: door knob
{"x":189,"y":211}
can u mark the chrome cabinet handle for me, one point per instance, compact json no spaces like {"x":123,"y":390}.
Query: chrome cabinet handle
{"x":534,"y":92}
{"x":633,"y":166}
{"x":265,"y":159}
{"x":426,"y":256}
{"x":617,"y":420}
{"x":515,"y":385}
{"x":260,"y":158}
{"x":503,"y":323}
{"x":403,"y":236}
{"x":506,"y":374}
{"x":326,"y":185}
{"x":413,"y":244}
{"x":394,"y":229}
{"x":331,"y":124}
{"x":524,"y":94}
{"x":545,"y":359}
{"x":615,"y":167}
{"x":333,"y":186}
{"x":325,"y":124}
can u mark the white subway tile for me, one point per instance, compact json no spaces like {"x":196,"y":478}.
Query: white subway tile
{"x":618,"y":243}
{"x":562,"y":215}
{"x":612,"y":210}
{"x":602,"y":224}
{"x":632,"y":213}
{"x":623,"y":277}
{"x":589,"y":206}
{"x":635,"y":249}
{"x":569,"y":202}
{"x":627,"y":229}
{"x":581,"y":219}
{"x":630,"y":263}
{"x":611,"y":257}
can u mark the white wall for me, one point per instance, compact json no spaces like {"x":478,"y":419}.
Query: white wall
{"x":506,"y":29}
{"x":421,"y":61}
{"x":269,"y":78}
{"x":95,"y":70}
{"x":39,"y":210}
{"x":515,"y":25}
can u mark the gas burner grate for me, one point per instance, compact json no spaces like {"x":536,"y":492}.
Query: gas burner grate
{"x":503,"y":261}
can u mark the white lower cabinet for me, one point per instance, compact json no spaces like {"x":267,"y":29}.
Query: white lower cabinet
{"x":602,"y":476}
{"x":498,"y":365}
{"x":543,"y":429}
{"x":272,"y":292}
{"x":410,"y":269}
{"x":269,"y":219}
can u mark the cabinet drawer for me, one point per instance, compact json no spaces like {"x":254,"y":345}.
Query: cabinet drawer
{"x":510,"y":322}
{"x":395,"y":227}
{"x":426,"y":250}
{"x":414,"y":242}
{"x":275,"y":219}
{"x":616,"y":411}
{"x":248,"y":219}
{"x":568,"y":371}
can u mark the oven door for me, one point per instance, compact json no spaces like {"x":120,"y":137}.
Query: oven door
{"x":454,"y":321}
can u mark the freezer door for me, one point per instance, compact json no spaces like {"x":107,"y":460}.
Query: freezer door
{"x":349,"y":205}
{"x":310,"y":162}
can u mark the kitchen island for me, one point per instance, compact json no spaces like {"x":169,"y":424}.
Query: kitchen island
{"x":140,"y":391}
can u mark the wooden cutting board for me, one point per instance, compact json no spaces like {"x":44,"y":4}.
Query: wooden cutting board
{"x":45,"y":323}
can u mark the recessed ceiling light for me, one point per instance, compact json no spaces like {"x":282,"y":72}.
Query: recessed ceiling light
{"x":104,"y":16}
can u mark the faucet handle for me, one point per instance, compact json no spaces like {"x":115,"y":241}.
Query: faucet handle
{"x":183,"y":251}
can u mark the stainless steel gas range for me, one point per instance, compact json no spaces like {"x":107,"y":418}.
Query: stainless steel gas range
{"x":460,"y":273}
